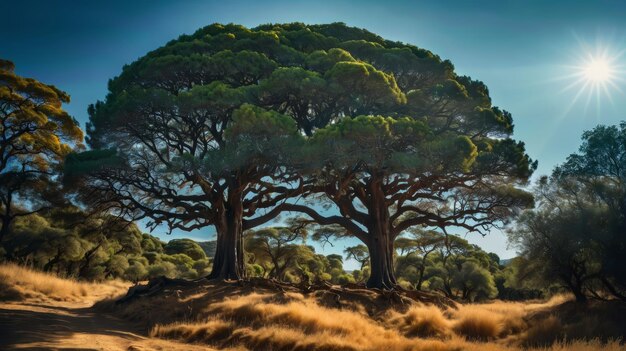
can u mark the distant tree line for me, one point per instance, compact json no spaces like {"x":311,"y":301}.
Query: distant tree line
{"x":68,"y":243}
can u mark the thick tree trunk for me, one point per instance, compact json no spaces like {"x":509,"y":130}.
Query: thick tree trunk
{"x":228,"y":262}
{"x":381,"y":265}
{"x":380,"y":244}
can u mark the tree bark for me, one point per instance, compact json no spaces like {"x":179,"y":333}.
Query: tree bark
{"x":577,"y":289}
{"x":6,"y":220}
{"x":380,"y":243}
{"x":5,"y":229}
{"x":580,"y":296}
{"x":422,"y":270}
{"x":381,"y":265}
{"x":228,"y":261}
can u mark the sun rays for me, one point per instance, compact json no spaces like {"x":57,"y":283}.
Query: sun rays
{"x":596,"y":77}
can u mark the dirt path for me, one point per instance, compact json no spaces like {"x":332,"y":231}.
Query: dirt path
{"x":73,"y":326}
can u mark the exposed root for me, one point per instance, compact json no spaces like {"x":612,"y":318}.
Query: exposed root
{"x":397,"y":297}
{"x":155,"y":286}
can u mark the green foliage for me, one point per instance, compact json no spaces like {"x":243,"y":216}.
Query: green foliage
{"x":277,"y":252}
{"x":187,"y":247}
{"x":35,"y":135}
{"x":281,"y":253}
{"x":77,"y":164}
{"x":599,"y":169}
{"x":68,"y":243}
{"x":575,"y":236}
{"x":474,"y":282}
{"x":136,"y":272}
{"x":446,"y":263}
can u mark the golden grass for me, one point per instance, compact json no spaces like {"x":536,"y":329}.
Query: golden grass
{"x":19,"y":283}
{"x":258,"y":322}
{"x":234,"y":317}
{"x":421,"y":321}
{"x":275,"y":322}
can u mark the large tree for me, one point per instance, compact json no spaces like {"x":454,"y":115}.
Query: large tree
{"x":160,"y":138}
{"x":440,"y":156}
{"x":189,"y":183}
{"x":168,"y":112}
{"x":35,"y":135}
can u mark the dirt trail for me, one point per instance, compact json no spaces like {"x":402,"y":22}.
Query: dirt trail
{"x":51,"y":325}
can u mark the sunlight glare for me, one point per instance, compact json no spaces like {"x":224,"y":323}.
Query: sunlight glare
{"x":597,"y":76}
{"x":598,"y":70}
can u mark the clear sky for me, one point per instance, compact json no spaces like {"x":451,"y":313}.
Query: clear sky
{"x":525,"y":51}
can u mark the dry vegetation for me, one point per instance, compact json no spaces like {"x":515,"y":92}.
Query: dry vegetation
{"x":249,"y":317}
{"x":18,"y":283}
{"x":231,"y":316}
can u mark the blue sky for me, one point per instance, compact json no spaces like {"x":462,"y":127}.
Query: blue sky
{"x":523,"y":50}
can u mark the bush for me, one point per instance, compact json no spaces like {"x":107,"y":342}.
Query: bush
{"x":117,"y":265}
{"x":185,"y":246}
{"x":167,"y":269}
{"x":136,"y":272}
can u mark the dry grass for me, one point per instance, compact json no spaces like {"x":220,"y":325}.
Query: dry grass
{"x":478,"y":325}
{"x":421,"y":321}
{"x":229,"y":316}
{"x":260,"y":322}
{"x":18,"y":283}
{"x":234,"y":317}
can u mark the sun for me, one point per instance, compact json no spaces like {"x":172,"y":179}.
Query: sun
{"x":598,"y":76}
{"x":598,"y":70}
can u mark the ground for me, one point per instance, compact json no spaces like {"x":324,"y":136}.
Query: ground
{"x":32,"y":318}
{"x":42,"y":312}
{"x":73,"y":325}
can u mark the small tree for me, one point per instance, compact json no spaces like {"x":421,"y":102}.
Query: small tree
{"x":418,"y":245}
{"x":277,"y":249}
{"x":358,"y":253}
{"x":474,"y":282}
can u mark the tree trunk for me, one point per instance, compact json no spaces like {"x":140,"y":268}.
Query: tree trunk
{"x":580,"y":296}
{"x":228,"y":262}
{"x":6,"y":224}
{"x":380,"y":244}
{"x":381,"y":265}
{"x":6,"y":217}
{"x":576,"y":288}
{"x":4,"y":230}
{"x":420,"y":281}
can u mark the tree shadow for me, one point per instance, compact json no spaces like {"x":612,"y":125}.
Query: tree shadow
{"x":32,"y":324}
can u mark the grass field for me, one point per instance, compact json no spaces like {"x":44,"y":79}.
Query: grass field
{"x":239,"y":317}
{"x":18,"y":283}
